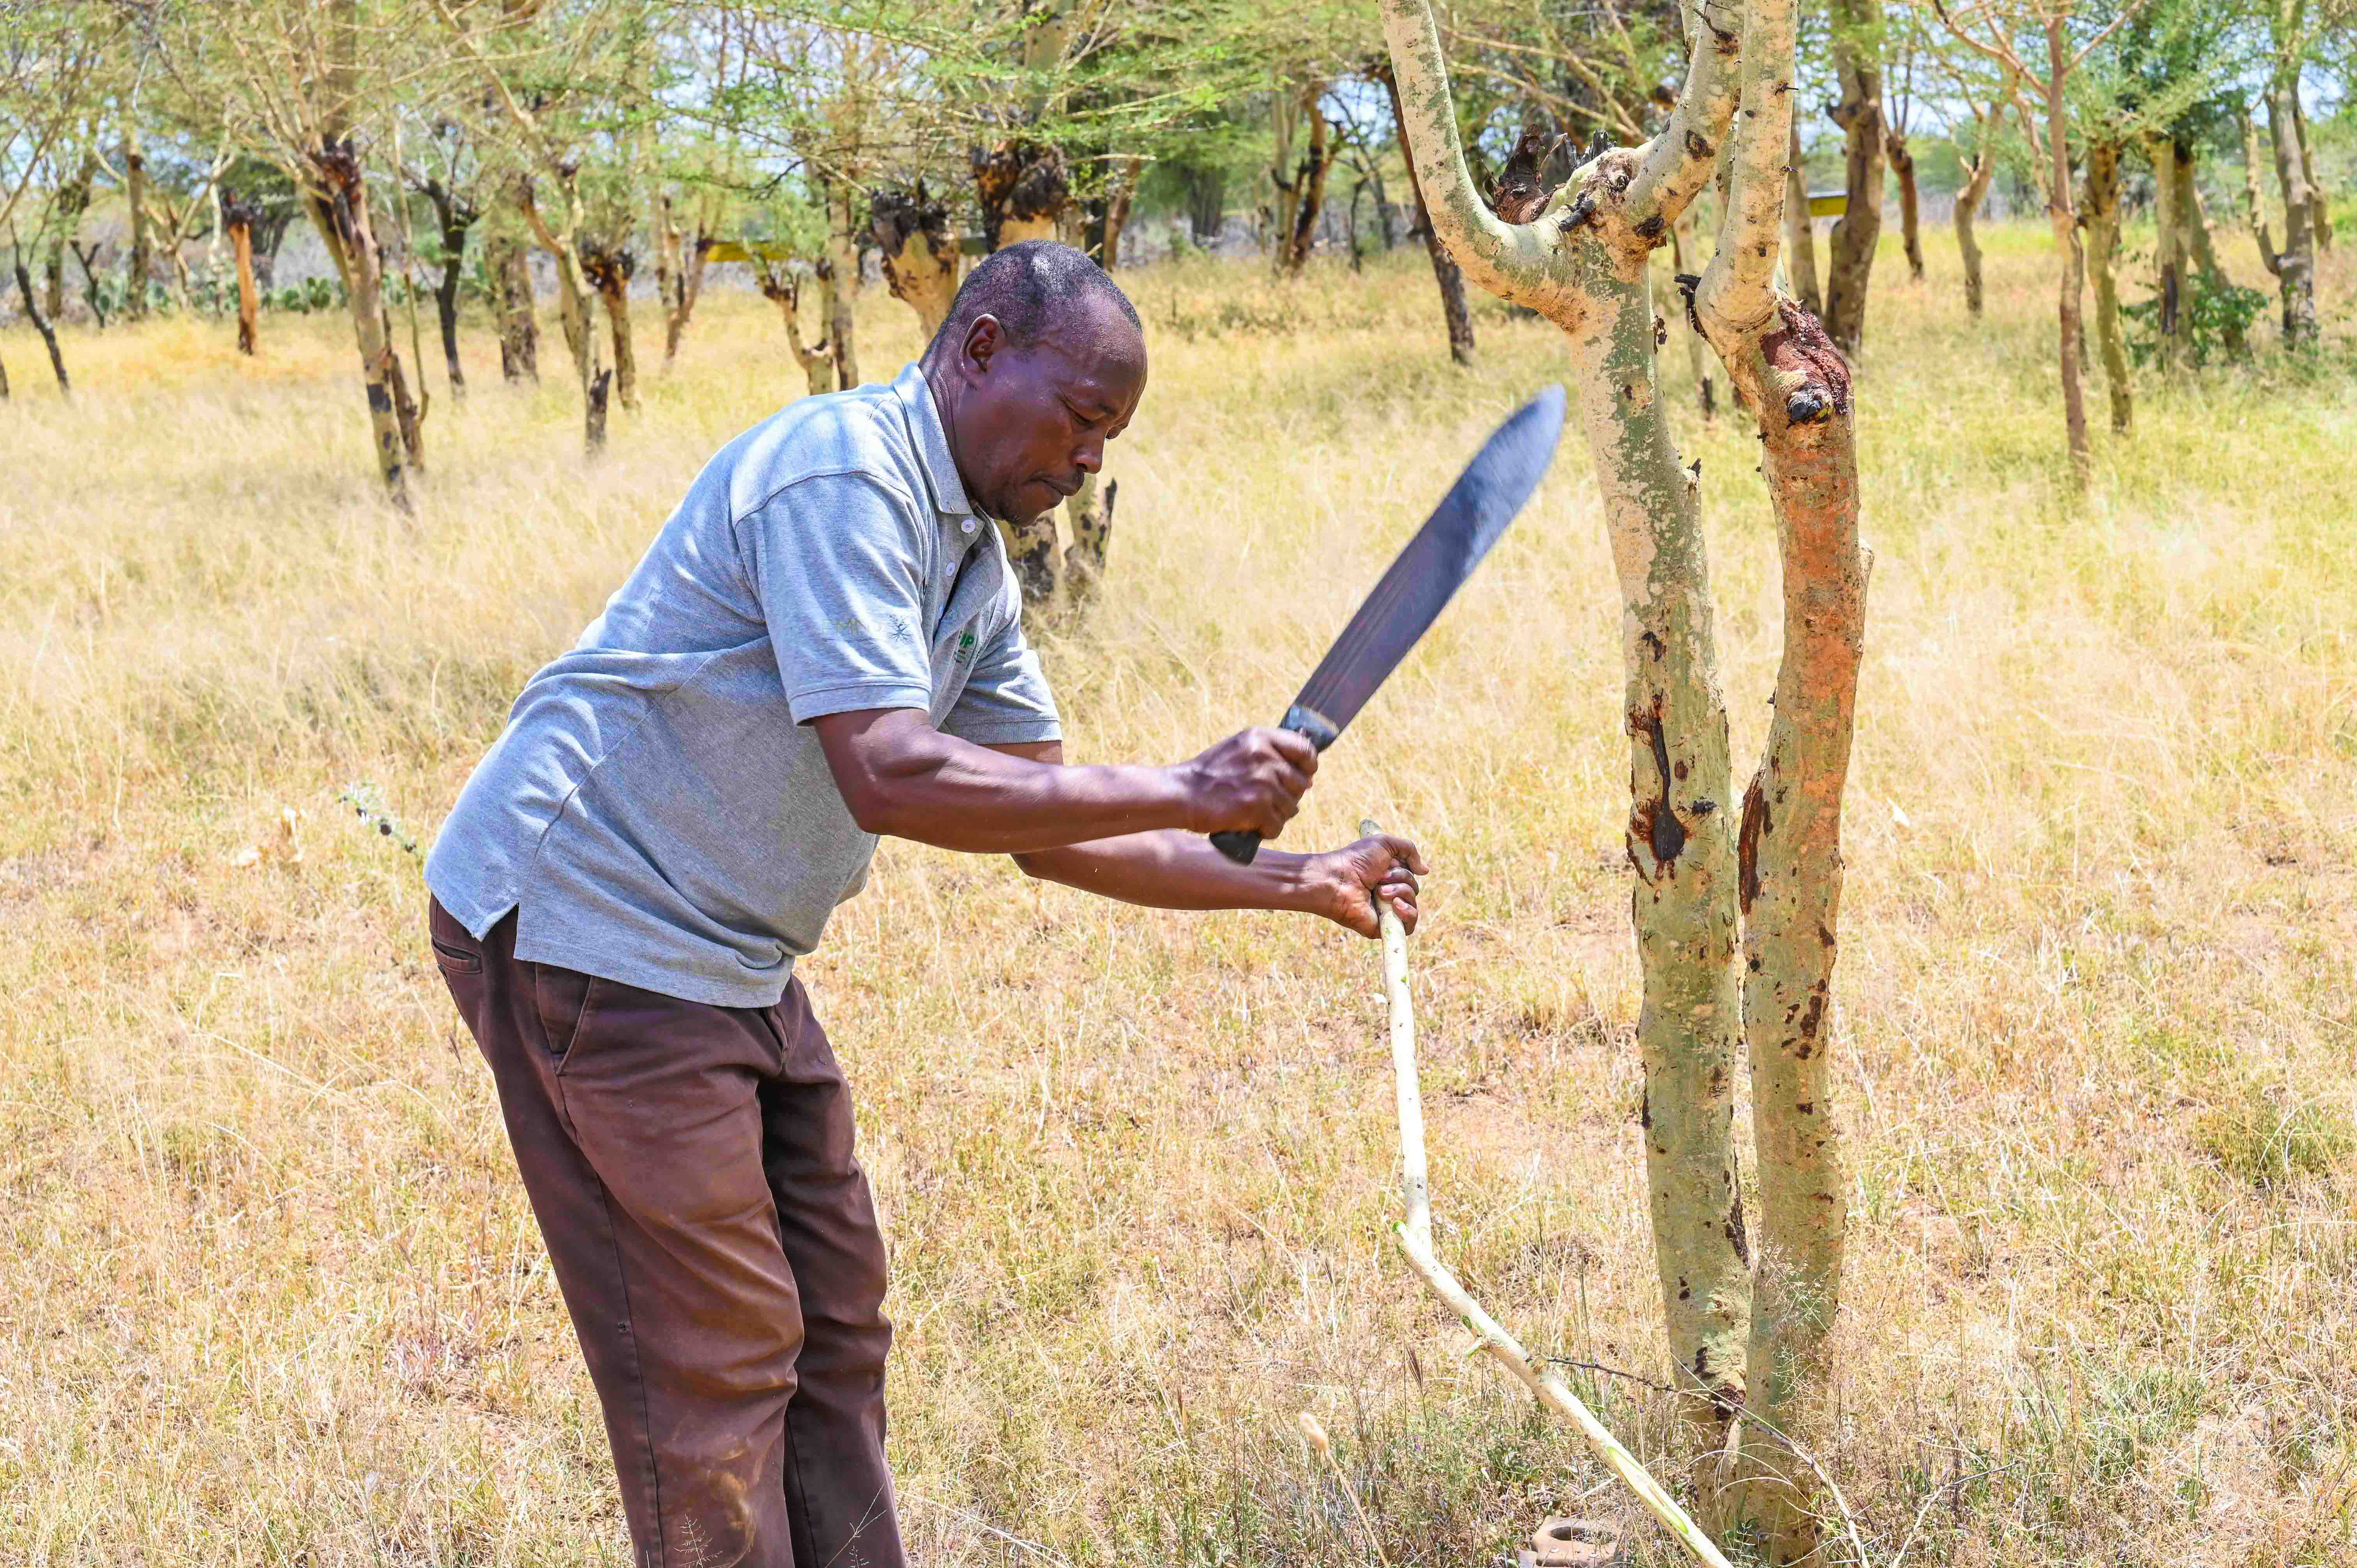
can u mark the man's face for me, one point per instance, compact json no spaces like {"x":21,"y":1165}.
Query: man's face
{"x":1032,"y":419}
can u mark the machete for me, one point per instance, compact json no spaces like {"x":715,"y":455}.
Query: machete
{"x":1404,"y":604}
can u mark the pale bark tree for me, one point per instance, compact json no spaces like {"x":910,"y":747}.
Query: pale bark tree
{"x":1299,"y":185}
{"x":1857,"y":64}
{"x":238,"y":218}
{"x":782,"y":287}
{"x":2103,"y":222}
{"x":561,"y":229}
{"x":679,"y":274}
{"x":295,"y":79}
{"x":1992,"y":30}
{"x":1456,"y":315}
{"x":2294,"y":266}
{"x":1583,"y":263}
{"x":1980,"y":170}
{"x":920,"y":250}
{"x":1799,"y":229}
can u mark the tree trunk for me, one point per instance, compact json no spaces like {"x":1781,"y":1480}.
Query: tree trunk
{"x":2320,"y":205}
{"x":1801,"y":231}
{"x":608,"y":273}
{"x":574,"y":287}
{"x":2194,"y":229}
{"x":408,"y":410}
{"x":2169,"y":253}
{"x":919,"y":252}
{"x":143,"y":248}
{"x":1090,"y":515}
{"x":2296,"y":263}
{"x":41,"y":323}
{"x":1303,"y":197}
{"x":53,"y":279}
{"x":1857,"y":26}
{"x":91,"y":295}
{"x":1698,"y":360}
{"x":1455,"y":312}
{"x":2058,"y":210}
{"x":2102,"y":243}
{"x":510,"y":272}
{"x":2254,"y":207}
{"x":783,"y":290}
{"x":454,"y":218}
{"x":1118,"y":199}
{"x":74,"y":200}
{"x":340,"y":211}
{"x":239,"y":220}
{"x":1902,"y":164}
{"x":1788,"y":874}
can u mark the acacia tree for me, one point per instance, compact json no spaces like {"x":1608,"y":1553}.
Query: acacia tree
{"x":296,"y":81}
{"x":1996,"y":30}
{"x":49,"y":61}
{"x":1582,"y":261}
{"x":2291,"y":32}
{"x":1857,"y":26}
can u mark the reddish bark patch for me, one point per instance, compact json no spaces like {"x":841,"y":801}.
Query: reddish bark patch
{"x":1747,"y":844}
{"x":1800,"y":349}
{"x":1520,"y":195}
{"x":1655,"y":821}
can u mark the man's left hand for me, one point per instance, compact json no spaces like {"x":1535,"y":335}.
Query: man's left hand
{"x":1381,"y":866}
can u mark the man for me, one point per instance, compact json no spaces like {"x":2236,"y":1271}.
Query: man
{"x":822,"y":645}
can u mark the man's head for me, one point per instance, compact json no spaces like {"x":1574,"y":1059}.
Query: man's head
{"x":1041,"y":362}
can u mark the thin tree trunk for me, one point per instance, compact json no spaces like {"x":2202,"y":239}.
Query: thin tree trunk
{"x":53,"y":279}
{"x":2296,"y":263}
{"x":2195,"y":227}
{"x":573,"y":286}
{"x":238,"y":218}
{"x":1091,"y":515}
{"x":1788,"y":872}
{"x":143,"y":256}
{"x":1455,"y":314}
{"x":41,"y":323}
{"x":90,"y":292}
{"x":2319,"y":206}
{"x":2058,"y":210}
{"x":510,"y":271}
{"x":610,"y":277}
{"x":1981,"y":171}
{"x":1698,"y":357}
{"x":2255,"y":207}
{"x":2169,"y":253}
{"x":1116,"y":216}
{"x":1857,"y":25}
{"x":1305,"y":198}
{"x":1801,"y":231}
{"x":340,"y":211}
{"x":1902,"y":164}
{"x":2102,"y":243}
{"x":455,"y":218}
{"x":844,"y":281}
{"x":816,"y":361}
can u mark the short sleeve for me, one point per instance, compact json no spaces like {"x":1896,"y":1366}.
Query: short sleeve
{"x":1006,"y":700}
{"x":836,"y":562}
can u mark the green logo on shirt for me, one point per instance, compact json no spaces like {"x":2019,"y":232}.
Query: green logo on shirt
{"x":964,"y":654}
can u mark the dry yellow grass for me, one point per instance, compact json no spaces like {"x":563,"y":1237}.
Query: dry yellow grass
{"x":269,"y":1292}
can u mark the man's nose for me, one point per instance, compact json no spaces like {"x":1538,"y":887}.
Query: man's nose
{"x":1089,"y":456}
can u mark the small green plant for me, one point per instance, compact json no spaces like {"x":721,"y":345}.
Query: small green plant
{"x":2213,"y":317}
{"x":367,"y":802}
{"x":2265,"y":1142}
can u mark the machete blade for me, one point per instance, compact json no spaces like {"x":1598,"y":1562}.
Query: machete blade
{"x":1435,"y":563}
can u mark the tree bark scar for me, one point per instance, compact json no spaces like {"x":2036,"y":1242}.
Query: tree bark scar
{"x":1737,"y":1236}
{"x":1655,"y":821}
{"x":1746,"y":844}
{"x":1805,"y":366}
{"x":1810,"y":1022}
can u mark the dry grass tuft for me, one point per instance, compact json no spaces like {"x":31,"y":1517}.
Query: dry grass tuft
{"x":269,"y":1292}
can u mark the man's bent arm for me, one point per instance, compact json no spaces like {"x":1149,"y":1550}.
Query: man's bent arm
{"x":901,"y":776}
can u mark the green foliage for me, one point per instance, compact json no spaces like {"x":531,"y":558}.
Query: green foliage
{"x":2213,"y":314}
{"x":303,"y":299}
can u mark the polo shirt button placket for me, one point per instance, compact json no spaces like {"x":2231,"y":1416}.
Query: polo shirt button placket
{"x":967,"y":526}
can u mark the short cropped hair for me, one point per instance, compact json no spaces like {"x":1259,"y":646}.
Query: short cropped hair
{"x":1028,"y":287}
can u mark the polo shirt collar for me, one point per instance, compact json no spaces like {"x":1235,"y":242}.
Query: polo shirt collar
{"x":932,"y":442}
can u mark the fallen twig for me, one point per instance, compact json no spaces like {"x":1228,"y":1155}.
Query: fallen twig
{"x":1415,"y":1237}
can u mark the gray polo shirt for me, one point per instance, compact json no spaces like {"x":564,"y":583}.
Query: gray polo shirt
{"x":658,"y":811}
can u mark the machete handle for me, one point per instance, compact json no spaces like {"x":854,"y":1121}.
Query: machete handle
{"x":1241,"y":845}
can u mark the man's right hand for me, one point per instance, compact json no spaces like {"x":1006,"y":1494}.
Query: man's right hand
{"x":1254,"y":780}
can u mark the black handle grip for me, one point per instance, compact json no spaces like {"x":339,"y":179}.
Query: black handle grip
{"x":1241,"y":845}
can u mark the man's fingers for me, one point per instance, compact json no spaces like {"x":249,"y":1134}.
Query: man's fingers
{"x":1294,"y":749}
{"x":1404,"y":852}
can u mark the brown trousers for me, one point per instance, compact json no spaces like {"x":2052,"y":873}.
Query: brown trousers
{"x":690,"y":1167}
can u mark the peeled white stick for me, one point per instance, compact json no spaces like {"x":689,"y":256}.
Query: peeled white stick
{"x":1414,"y":1236}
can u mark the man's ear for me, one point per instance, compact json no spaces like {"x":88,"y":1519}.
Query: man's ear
{"x":983,"y":340}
